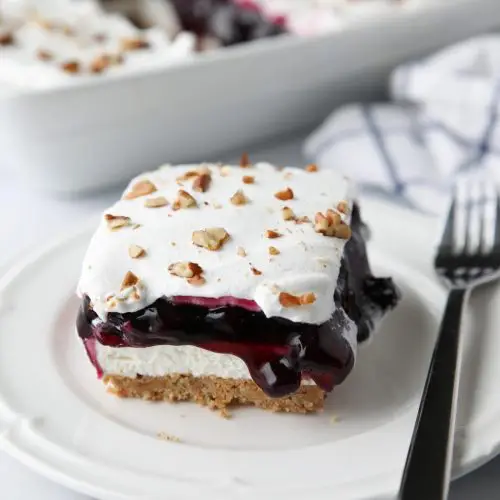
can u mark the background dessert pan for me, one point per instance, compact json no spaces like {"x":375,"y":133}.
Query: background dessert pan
{"x":98,"y":133}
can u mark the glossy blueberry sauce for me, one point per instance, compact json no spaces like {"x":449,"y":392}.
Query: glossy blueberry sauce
{"x":278,"y":352}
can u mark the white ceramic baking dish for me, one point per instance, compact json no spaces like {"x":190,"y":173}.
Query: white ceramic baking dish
{"x":99,"y":133}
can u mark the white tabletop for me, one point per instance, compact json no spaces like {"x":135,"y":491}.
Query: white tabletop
{"x":29,"y":219}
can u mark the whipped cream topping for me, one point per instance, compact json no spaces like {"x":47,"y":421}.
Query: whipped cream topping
{"x":244,"y":267}
{"x":46,"y":36}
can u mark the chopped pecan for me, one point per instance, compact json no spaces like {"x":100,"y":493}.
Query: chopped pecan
{"x":116,"y":222}
{"x":130,"y":44}
{"x":141,"y":188}
{"x":302,"y":220}
{"x":284,"y":195}
{"x":136,"y":252}
{"x":185,"y":269}
{"x":129,"y":280}
{"x":343,"y":207}
{"x":331,"y":225}
{"x":307,"y":298}
{"x":245,"y":161}
{"x":343,"y":231}
{"x":159,"y":201}
{"x":196,"y":280}
{"x":184,"y":200}
{"x":202,"y":182}
{"x":72,"y":67}
{"x":290,"y":300}
{"x":210,"y":238}
{"x":287,"y":213}
{"x":6,"y":39}
{"x":239,"y":198}
{"x":271,"y":234}
{"x":248,"y":179}
{"x":187,"y":175}
{"x":100,"y":63}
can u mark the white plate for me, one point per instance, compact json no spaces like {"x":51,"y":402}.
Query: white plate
{"x":56,"y":417}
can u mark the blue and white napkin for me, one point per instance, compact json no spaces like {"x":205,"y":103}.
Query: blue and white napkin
{"x":443,"y":122}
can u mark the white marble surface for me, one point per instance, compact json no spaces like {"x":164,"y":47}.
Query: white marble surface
{"x":28,"y":219}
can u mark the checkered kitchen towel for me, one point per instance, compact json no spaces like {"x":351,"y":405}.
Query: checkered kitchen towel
{"x":444,"y":122}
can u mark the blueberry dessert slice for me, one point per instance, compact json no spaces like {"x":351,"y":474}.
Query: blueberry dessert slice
{"x":229,"y":285}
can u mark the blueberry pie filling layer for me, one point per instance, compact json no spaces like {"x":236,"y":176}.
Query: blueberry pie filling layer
{"x":268,"y":305}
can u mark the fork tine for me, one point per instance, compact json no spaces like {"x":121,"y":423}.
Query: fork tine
{"x":489,"y":217}
{"x":447,"y":238}
{"x":483,"y":221}
{"x":473,"y":205}
{"x":497,"y":222}
{"x":462,"y":217}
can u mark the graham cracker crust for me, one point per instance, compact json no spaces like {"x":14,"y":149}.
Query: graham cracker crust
{"x":214,"y":392}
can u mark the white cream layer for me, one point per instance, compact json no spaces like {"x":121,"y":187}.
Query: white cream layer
{"x":158,"y":361}
{"x":308,"y":261}
{"x":21,"y":67}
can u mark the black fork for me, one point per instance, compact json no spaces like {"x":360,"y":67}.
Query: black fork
{"x":468,"y":256}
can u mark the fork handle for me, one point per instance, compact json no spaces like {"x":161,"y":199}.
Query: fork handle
{"x":428,"y":466}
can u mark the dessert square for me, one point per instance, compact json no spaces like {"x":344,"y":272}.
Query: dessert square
{"x":230,"y":285}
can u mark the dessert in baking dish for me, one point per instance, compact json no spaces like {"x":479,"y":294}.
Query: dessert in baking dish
{"x":49,"y":45}
{"x":228,"y":285}
{"x":46,"y":45}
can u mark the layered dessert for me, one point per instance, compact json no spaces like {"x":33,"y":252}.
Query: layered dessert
{"x":52,"y":44}
{"x":230,"y":285}
{"x":47,"y":44}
